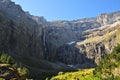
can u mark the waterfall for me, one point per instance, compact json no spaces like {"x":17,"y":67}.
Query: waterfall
{"x":44,"y":45}
{"x":44,"y":40}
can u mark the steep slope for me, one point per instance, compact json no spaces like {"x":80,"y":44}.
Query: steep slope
{"x":18,"y":31}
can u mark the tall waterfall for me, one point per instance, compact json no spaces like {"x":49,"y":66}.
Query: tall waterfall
{"x":44,"y":40}
{"x":44,"y":45}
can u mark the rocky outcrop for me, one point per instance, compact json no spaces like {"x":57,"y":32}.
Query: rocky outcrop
{"x":106,"y":19}
{"x":39,"y":20}
{"x":14,"y":11}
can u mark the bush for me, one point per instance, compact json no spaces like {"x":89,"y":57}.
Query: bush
{"x":117,"y":49}
{"x":6,"y":59}
{"x":23,"y":72}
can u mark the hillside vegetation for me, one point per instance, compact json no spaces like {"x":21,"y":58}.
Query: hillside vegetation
{"x":10,"y":70}
{"x":85,"y":74}
{"x":108,"y":69}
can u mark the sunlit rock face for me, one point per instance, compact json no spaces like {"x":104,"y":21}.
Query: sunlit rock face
{"x":91,"y":50}
{"x":62,"y":33}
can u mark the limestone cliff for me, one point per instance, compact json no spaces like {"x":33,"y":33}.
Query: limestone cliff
{"x":59,"y":33}
{"x":92,"y":49}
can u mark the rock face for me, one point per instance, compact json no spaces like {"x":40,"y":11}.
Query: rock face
{"x":14,"y":11}
{"x":111,"y":18}
{"x":92,"y":49}
{"x":88,"y":30}
{"x":40,"y":20}
{"x":18,"y":33}
{"x":81,"y":54}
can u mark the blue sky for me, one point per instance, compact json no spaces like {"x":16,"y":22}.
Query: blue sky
{"x":68,"y":9}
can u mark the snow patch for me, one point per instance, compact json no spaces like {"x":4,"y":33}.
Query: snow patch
{"x":71,"y":42}
{"x":70,"y":65}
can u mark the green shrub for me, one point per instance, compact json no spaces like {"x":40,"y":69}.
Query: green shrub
{"x":6,"y":59}
{"x":23,"y":72}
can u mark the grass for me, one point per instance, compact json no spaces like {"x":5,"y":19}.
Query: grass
{"x":118,"y":37}
{"x":82,"y":74}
